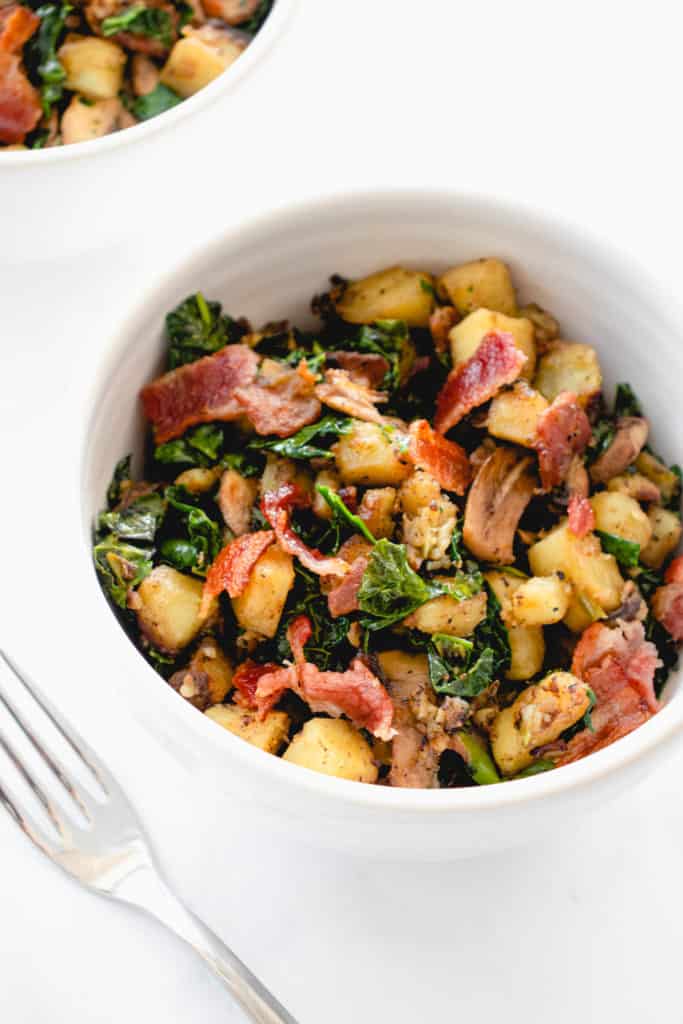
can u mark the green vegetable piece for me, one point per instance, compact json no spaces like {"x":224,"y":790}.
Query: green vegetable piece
{"x":153,"y":22}
{"x":328,"y":647}
{"x":121,"y":566}
{"x":626,"y":552}
{"x":626,"y":402}
{"x":41,"y":53}
{"x":542,"y":765}
{"x":181,"y":554}
{"x":197,"y":328}
{"x":448,"y":681}
{"x":121,"y":476}
{"x":339,"y":509}
{"x":253,"y":24}
{"x":588,"y":718}
{"x":156,"y":102}
{"x":478,"y":760}
{"x":391,"y":339}
{"x":390,"y":590}
{"x":299,"y":446}
{"x":138,"y":521}
{"x":202,"y":532}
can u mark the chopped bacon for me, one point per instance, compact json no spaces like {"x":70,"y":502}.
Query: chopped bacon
{"x":667,"y":608}
{"x":496,"y":362}
{"x":674,"y":574}
{"x":563,"y":431}
{"x":199,"y":392}
{"x":299,"y":632}
{"x":445,"y":460}
{"x":280,"y":401}
{"x":248,"y":678}
{"x":276,"y":507}
{"x":20,"y":109}
{"x":17,"y":25}
{"x":367,"y":368}
{"x":340,"y":392}
{"x":344,"y":598}
{"x":232,"y":567}
{"x":440,"y":323}
{"x":581,"y":515}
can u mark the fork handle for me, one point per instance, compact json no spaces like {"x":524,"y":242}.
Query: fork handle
{"x":157,"y":899}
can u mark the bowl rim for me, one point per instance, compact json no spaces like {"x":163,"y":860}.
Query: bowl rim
{"x":229,"y":80}
{"x":274,"y":772}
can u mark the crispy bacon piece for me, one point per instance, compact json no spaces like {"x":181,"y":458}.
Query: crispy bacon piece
{"x":280,"y":401}
{"x":276,"y":507}
{"x":299,"y":632}
{"x":344,"y":598}
{"x":199,"y":392}
{"x":440,"y":323}
{"x":619,"y":665}
{"x":563,"y":431}
{"x":581,"y":515}
{"x":497,"y":361}
{"x":445,"y":460}
{"x":248,"y":677}
{"x":667,"y":608}
{"x":20,"y":107}
{"x":339,"y":391}
{"x":674,"y":574}
{"x":232,"y":567}
{"x":17,"y":25}
{"x":366,"y":368}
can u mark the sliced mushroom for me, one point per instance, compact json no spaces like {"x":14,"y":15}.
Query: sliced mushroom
{"x":630,"y":438}
{"x":236,"y":496}
{"x":501,"y":491}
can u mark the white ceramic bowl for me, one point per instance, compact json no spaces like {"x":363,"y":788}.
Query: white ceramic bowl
{"x":87,"y":195}
{"x":268,"y":269}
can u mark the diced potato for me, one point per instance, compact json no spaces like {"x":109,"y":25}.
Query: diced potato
{"x":268,"y":734}
{"x":667,"y":481}
{"x":326,"y":478}
{"x":406,"y":671}
{"x":417,"y":492}
{"x":514,"y":414}
{"x":82,"y":122}
{"x":200,"y":56}
{"x":372,"y":456}
{"x":391,"y":294}
{"x":581,"y":613}
{"x":527,"y":651}
{"x":429,"y":518}
{"x":93,"y":66}
{"x":503,"y":584}
{"x":568,"y":367}
{"x":334,"y":747}
{"x":636,"y":485}
{"x":622,"y":516}
{"x":666,"y":535}
{"x":198,"y":481}
{"x":582,"y":561}
{"x":466,"y":336}
{"x":167,"y":606}
{"x":377,"y":511}
{"x":446,"y":614}
{"x":260,"y":605}
{"x":207,"y":679}
{"x":539,"y":601}
{"x":480,"y":283}
{"x":538,"y":716}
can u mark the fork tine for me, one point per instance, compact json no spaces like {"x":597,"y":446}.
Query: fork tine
{"x":79,"y":746}
{"x":35,"y":788}
{"x":28,"y":825}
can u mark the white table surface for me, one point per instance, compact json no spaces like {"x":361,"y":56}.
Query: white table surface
{"x":577,"y":111}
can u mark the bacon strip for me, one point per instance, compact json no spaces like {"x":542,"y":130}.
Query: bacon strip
{"x":20,"y":109}
{"x":281,"y":401}
{"x":199,"y":392}
{"x":276,"y":507}
{"x":367,"y":368}
{"x":496,"y":362}
{"x":249,"y":675}
{"x":344,"y":598}
{"x":17,"y":25}
{"x":340,"y":392}
{"x":674,"y":574}
{"x":667,"y":608}
{"x":563,"y":431}
{"x":581,"y":515}
{"x":445,"y":460}
{"x":232,"y":567}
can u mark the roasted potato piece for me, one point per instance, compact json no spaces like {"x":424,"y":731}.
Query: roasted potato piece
{"x":268,"y":734}
{"x":198,"y":481}
{"x":428,"y":521}
{"x":260,"y":605}
{"x":666,"y":535}
{"x":539,"y":601}
{"x":334,"y":747}
{"x":485,"y":282}
{"x":167,"y":607}
{"x":377,"y":511}
{"x":82,"y":122}
{"x":636,"y":485}
{"x":93,"y":66}
{"x":466,"y":336}
{"x":391,"y":294}
{"x":538,"y":716}
{"x":207,"y":679}
{"x":667,"y":481}
{"x":372,"y":456}
{"x":514,"y":414}
{"x":582,"y":561}
{"x":446,"y":614}
{"x":527,"y":651}
{"x":567,"y":366}
{"x":622,"y":516}
{"x":200,"y":56}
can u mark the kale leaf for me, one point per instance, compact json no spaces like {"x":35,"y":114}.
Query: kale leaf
{"x":254,"y":23}
{"x":466,"y":679}
{"x":390,"y":590}
{"x":343,"y":514}
{"x":121,"y":475}
{"x":202,"y":534}
{"x":391,"y":339}
{"x":493,"y":634}
{"x":328,"y":647}
{"x":41,"y":53}
{"x":121,"y":566}
{"x":153,"y":22}
{"x":138,"y":521}
{"x":197,"y":447}
{"x":299,"y":446}
{"x":158,"y":101}
{"x":626,"y":552}
{"x":196,"y":328}
{"x":626,"y":402}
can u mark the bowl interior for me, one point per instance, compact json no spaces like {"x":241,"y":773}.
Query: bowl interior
{"x":271,"y":268}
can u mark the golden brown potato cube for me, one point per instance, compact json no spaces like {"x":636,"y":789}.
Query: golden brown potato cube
{"x":377,"y":511}
{"x":333,"y":746}
{"x":666,"y":535}
{"x":371,"y":455}
{"x":514,"y":414}
{"x":538,"y":716}
{"x":268,"y":734}
{"x":446,"y":614}
{"x":93,"y":66}
{"x":581,"y":559}
{"x":260,"y":605}
{"x":167,"y":607}
{"x":198,"y":481}
{"x":82,"y":122}
{"x":539,"y":601}
{"x":391,"y":294}
{"x":622,"y":516}
{"x":567,"y":366}
{"x":200,"y":56}
{"x":466,"y":336}
{"x":581,"y":612}
{"x":325,"y":478}
{"x":527,"y":651}
{"x":667,"y":481}
{"x":485,"y":282}
{"x":429,"y":518}
{"x":207,"y":679}
{"x":503,"y":584}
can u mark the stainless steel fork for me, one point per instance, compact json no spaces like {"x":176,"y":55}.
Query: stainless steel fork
{"x":111,"y":854}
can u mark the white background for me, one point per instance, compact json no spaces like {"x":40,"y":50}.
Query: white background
{"x":577,"y":110}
